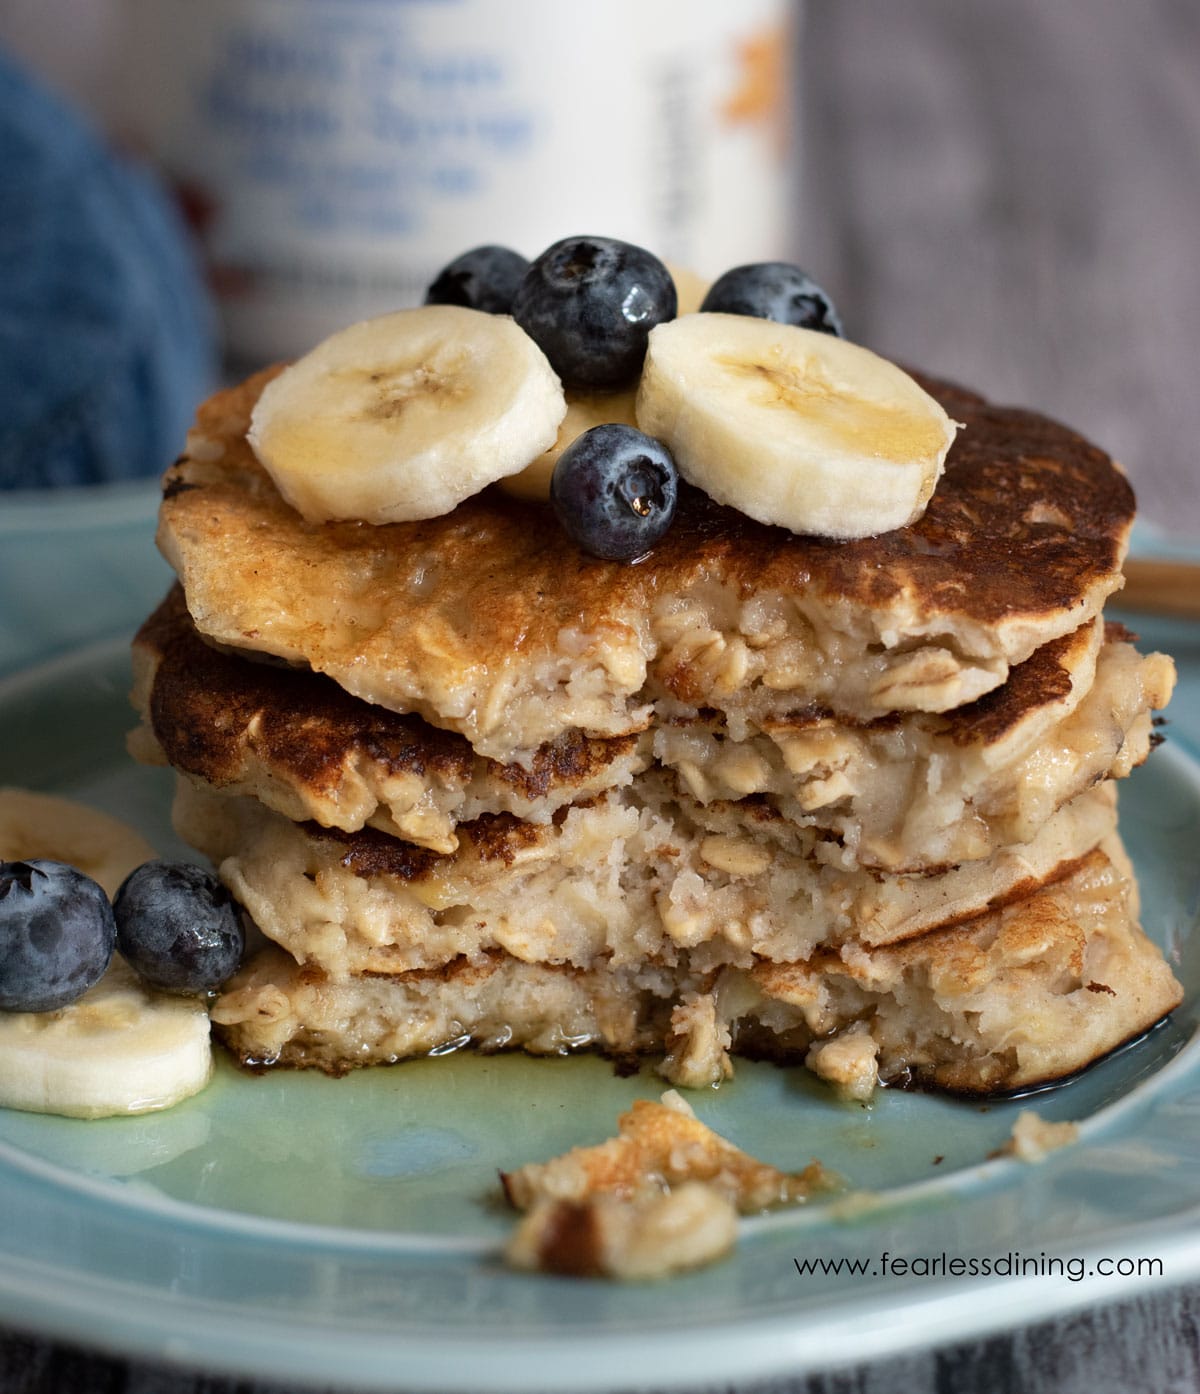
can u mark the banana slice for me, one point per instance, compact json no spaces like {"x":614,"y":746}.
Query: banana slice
{"x":121,"y":1049}
{"x":404,"y":416}
{"x":793,"y":427}
{"x":584,"y":410}
{"x":690,"y":288}
{"x":40,"y":825}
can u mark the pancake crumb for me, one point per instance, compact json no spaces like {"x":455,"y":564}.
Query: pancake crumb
{"x":849,"y":1062}
{"x":661,"y":1197}
{"x":1033,"y":1138}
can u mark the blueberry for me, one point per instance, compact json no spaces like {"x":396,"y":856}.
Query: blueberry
{"x":590,"y":303}
{"x":485,"y":278}
{"x":178,"y":927}
{"x":774,"y":290}
{"x":56,"y":935}
{"x":614,"y":490}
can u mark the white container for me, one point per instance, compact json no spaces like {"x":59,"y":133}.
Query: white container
{"x":338,"y":152}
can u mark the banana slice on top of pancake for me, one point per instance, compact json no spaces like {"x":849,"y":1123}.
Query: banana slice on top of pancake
{"x":791,"y":426}
{"x":403,"y":416}
{"x":584,"y":410}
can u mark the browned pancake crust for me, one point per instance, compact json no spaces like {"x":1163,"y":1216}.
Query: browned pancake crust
{"x":1029,"y":521}
{"x":1042,"y":679}
{"x":204,"y":702}
{"x":492,"y":837}
{"x":1046,"y":677}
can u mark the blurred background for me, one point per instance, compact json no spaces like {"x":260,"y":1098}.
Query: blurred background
{"x":1008,"y":195}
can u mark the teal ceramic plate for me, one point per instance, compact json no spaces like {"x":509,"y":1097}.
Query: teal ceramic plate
{"x":347,"y":1232}
{"x":49,"y":540}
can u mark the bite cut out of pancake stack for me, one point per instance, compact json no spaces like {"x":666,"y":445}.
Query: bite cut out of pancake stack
{"x":848,"y":803}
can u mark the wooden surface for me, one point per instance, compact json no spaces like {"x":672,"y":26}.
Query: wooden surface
{"x":1155,"y":587}
{"x":1007,"y":192}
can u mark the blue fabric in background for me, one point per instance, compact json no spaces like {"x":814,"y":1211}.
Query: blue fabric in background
{"x":108,"y":340}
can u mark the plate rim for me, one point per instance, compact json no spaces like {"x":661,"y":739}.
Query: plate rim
{"x":845,"y":1333}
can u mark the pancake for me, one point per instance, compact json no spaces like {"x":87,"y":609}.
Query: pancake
{"x":617,"y":880}
{"x":490,"y":622}
{"x":309,"y":750}
{"x":1018,"y":997}
{"x":926,"y":792}
{"x":914,"y":793}
{"x":1025,"y":995}
{"x":277,"y":1012}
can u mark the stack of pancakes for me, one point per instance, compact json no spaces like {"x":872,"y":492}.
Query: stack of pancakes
{"x":851,"y":803}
